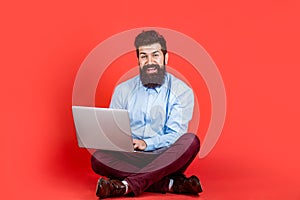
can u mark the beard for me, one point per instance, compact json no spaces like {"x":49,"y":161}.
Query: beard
{"x":154,"y":79}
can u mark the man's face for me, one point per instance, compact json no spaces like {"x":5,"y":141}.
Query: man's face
{"x":152,"y":65}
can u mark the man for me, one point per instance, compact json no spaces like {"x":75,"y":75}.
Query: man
{"x":160,"y":107}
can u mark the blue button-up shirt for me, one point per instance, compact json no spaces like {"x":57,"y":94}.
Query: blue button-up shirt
{"x":158,"y":116}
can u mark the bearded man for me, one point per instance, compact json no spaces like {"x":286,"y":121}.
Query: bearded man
{"x":160,"y":107}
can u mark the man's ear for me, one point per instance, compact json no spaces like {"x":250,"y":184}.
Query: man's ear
{"x":166,"y":58}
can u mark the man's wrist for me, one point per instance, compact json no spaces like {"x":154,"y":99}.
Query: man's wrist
{"x":145,"y":144}
{"x":149,"y":144}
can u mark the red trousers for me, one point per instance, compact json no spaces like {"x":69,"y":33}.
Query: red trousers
{"x":148,"y":171}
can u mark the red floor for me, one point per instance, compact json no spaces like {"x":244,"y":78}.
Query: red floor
{"x":222,"y":179}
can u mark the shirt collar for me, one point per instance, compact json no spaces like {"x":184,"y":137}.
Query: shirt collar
{"x":156,"y":89}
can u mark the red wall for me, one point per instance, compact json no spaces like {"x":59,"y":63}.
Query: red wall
{"x":254,"y":44}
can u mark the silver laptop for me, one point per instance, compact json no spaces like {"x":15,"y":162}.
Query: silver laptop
{"x":103,"y":128}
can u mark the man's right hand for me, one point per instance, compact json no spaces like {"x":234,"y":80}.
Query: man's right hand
{"x":139,"y":144}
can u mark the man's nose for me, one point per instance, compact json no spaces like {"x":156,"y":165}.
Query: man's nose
{"x":150,"y":60}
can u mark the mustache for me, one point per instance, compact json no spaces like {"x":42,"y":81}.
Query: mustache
{"x":155,"y":66}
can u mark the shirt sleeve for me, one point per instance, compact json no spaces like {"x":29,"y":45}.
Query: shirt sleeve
{"x":117,"y":100}
{"x":181,"y":111}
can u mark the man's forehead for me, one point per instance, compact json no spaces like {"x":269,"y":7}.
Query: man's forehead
{"x":150,"y":48}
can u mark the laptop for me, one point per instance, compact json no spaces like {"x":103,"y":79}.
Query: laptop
{"x":103,"y":128}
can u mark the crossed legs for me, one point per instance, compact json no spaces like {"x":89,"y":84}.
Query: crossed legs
{"x":148,"y":171}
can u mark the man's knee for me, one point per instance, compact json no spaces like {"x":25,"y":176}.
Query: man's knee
{"x":191,"y":140}
{"x":191,"y":137}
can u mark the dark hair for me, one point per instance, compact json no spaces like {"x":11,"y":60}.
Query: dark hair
{"x":150,"y":37}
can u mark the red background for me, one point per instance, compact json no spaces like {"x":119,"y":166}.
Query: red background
{"x":254,"y":44}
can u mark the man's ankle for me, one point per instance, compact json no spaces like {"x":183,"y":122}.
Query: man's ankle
{"x":128,"y":189}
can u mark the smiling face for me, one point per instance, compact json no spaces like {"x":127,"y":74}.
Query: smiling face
{"x":152,"y":64}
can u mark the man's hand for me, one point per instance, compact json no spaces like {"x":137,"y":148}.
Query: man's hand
{"x":139,"y":144}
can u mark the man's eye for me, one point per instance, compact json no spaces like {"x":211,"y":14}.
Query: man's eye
{"x":143,"y":57}
{"x":156,"y":55}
